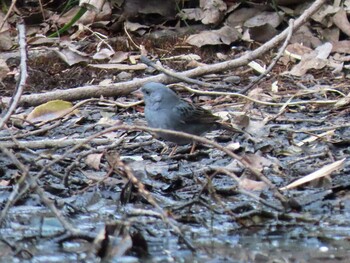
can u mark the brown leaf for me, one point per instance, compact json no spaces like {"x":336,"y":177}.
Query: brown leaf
{"x":297,"y":50}
{"x":305,"y":37}
{"x":341,"y":46}
{"x":252,"y":185}
{"x":94,"y":160}
{"x":272,"y":18}
{"x":262,"y":33}
{"x":213,"y":11}
{"x":314,"y":60}
{"x":5,"y":36}
{"x":4,"y":69}
{"x":225,"y":35}
{"x":49,"y":111}
{"x":191,"y":14}
{"x":340,"y":19}
{"x":238,"y":17}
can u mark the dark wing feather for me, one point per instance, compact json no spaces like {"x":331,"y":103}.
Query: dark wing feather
{"x":194,"y":114}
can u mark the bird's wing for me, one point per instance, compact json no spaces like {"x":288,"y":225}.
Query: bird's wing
{"x":194,"y":114}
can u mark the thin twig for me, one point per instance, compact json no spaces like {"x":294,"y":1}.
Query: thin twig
{"x":23,"y":75}
{"x":54,"y":143}
{"x":147,"y":195}
{"x":242,"y":191}
{"x":232,"y":94}
{"x":274,"y":61}
{"x":176,"y":75}
{"x":13,"y":3}
{"x":32,"y":184}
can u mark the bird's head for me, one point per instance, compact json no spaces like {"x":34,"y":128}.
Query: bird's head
{"x":158,"y":94}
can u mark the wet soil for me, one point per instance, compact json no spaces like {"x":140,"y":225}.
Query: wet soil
{"x":201,"y":213}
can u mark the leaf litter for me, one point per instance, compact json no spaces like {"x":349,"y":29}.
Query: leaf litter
{"x":118,"y":195}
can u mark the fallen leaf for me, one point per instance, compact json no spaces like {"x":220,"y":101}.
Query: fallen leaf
{"x":104,"y":53}
{"x":272,"y":18}
{"x":225,"y":35}
{"x":297,"y":50}
{"x":213,"y":11}
{"x":5,"y":36}
{"x":341,"y":46}
{"x":314,"y":60}
{"x":238,"y":17}
{"x":252,"y":185}
{"x":262,"y":33}
{"x":134,"y":26}
{"x":305,"y":37}
{"x":191,"y":14}
{"x":340,"y":19}
{"x":4,"y":69}
{"x":70,"y":54}
{"x":94,"y":160}
{"x":325,"y":10}
{"x":257,"y":161}
{"x":345,"y":101}
{"x":50,"y":110}
{"x":322,"y":172}
{"x":119,"y":57}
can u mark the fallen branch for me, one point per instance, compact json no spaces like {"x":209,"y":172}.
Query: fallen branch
{"x":123,"y":88}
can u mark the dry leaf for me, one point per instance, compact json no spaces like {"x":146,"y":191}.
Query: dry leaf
{"x":340,"y":19}
{"x":104,"y":53}
{"x":258,"y":161}
{"x":297,"y":50}
{"x":341,"y":46}
{"x":305,"y":37}
{"x":119,"y":57}
{"x":325,"y":10}
{"x":213,"y":11}
{"x":272,"y":18}
{"x":5,"y":37}
{"x":94,"y":160}
{"x":191,"y":14}
{"x":70,"y":54}
{"x":4,"y":69}
{"x":324,"y":171}
{"x":252,"y":185}
{"x":130,"y":26}
{"x":225,"y":35}
{"x":314,"y":60}
{"x":50,"y":110}
{"x":262,"y":33}
{"x":238,"y":17}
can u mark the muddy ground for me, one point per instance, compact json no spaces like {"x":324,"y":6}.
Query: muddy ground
{"x":96,"y":186}
{"x":183,"y":208}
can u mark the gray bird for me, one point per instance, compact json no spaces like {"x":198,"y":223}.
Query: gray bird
{"x":166,"y":110}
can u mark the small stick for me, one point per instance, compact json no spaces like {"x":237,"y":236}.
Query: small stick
{"x":23,"y":75}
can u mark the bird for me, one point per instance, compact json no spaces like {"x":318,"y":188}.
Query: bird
{"x":164,"y":109}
